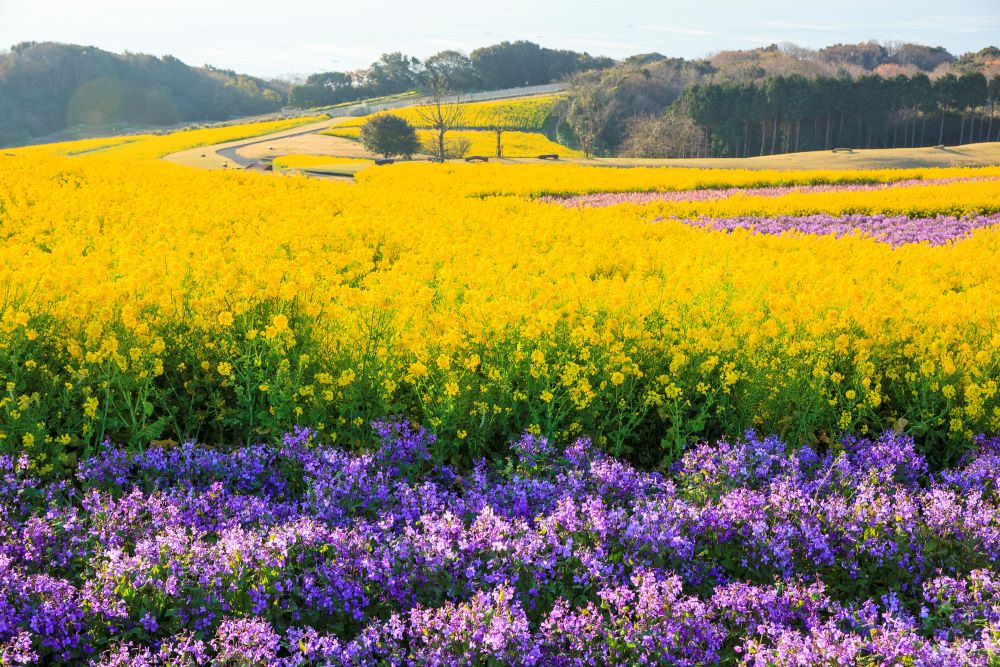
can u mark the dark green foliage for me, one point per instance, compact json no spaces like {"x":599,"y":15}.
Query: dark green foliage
{"x":521,"y":63}
{"x":792,"y":113}
{"x":46,"y":88}
{"x":389,"y":135}
{"x":504,"y":65}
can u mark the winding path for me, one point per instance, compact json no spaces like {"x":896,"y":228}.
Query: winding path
{"x":219,"y":156}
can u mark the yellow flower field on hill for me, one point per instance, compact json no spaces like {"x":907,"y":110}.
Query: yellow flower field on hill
{"x":526,"y":113}
{"x":306,"y":161}
{"x":146,"y":301}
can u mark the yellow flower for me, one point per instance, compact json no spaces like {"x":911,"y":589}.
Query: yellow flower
{"x":617,"y":378}
{"x":225,"y":369}
{"x":225,"y":318}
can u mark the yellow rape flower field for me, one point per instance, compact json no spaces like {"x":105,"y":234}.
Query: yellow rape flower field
{"x":144,"y":301}
{"x":481,"y":142}
{"x":526,"y":113}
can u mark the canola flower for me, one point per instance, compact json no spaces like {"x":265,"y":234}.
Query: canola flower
{"x":295,"y":161}
{"x":526,"y":113}
{"x":749,"y":552}
{"x":483,"y":142}
{"x":151,"y":146}
{"x":156,"y":306}
{"x":448,"y":294}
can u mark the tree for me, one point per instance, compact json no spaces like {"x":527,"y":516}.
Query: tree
{"x":393,"y":73}
{"x":499,"y":120}
{"x":389,"y":135}
{"x":588,"y":111}
{"x":947,"y":93}
{"x":994,"y":94}
{"x":673,"y":135}
{"x":452,"y":68}
{"x":440,"y":114}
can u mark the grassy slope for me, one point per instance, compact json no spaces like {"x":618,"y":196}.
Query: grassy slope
{"x":970,"y":155}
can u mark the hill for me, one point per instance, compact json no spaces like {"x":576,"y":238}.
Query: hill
{"x":47,"y":87}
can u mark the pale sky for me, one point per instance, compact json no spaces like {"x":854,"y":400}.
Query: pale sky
{"x":298,"y":37}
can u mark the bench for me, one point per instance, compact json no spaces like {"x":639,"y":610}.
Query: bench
{"x":382,"y":161}
{"x":939,"y":147}
{"x":843,"y":150}
{"x":549,"y":156}
{"x":477,"y":158}
{"x":436,"y":159}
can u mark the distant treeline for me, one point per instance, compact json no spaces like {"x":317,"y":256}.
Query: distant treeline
{"x":791,"y":113}
{"x":504,"y":65}
{"x":785,"y":99}
{"x":48,"y":87}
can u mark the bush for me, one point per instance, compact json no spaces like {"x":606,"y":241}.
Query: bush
{"x":389,"y":135}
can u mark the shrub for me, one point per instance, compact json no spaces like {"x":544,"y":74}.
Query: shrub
{"x":389,"y":135}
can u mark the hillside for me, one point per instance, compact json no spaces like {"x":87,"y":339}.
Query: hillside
{"x":46,"y":88}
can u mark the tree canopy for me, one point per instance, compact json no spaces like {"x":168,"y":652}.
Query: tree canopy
{"x":389,"y":135}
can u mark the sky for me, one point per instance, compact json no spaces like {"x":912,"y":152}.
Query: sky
{"x":293,"y":38}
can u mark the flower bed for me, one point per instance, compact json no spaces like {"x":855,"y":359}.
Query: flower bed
{"x":896,"y":230}
{"x":747,"y":552}
{"x":600,"y":199}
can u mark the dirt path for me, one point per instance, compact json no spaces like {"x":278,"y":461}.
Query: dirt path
{"x":221,"y":156}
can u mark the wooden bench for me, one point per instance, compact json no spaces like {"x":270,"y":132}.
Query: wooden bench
{"x":477,"y":158}
{"x":549,"y":156}
{"x":382,"y":161}
{"x":843,"y":150}
{"x":436,"y":159}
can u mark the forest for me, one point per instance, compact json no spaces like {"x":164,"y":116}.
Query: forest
{"x":46,"y":88}
{"x":786,"y":99}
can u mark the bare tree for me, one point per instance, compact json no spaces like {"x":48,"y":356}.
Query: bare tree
{"x":501,"y":119}
{"x":440,"y":114}
{"x":590,"y":107}
{"x":672,"y":135}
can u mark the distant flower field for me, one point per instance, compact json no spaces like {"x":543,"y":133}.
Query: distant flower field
{"x":673,"y":416}
{"x":527,"y":114}
{"x":482,"y":142}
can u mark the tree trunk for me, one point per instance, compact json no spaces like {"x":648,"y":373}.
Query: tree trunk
{"x":798,"y":133}
{"x":763,"y":135}
{"x":923,"y":129}
{"x":941,"y":132}
{"x":961,"y":131}
{"x":895,"y":132}
{"x":499,"y":145}
{"x":829,"y":122}
{"x":774,"y":136}
{"x":989,"y":128}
